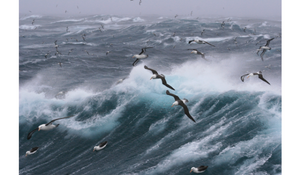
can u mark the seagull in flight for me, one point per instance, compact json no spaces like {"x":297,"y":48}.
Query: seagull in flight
{"x":180,"y":102}
{"x":200,"y":42}
{"x":259,"y":74}
{"x":264,"y":49}
{"x":140,"y":55}
{"x":161,"y":76}
{"x":47,"y":126}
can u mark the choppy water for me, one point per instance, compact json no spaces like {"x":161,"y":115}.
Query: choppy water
{"x":238,"y":124}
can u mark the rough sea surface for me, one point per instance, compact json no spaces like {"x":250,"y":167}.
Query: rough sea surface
{"x":238,"y":124}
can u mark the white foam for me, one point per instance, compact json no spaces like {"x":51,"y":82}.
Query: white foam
{"x":29,"y":27}
{"x":138,"y":19}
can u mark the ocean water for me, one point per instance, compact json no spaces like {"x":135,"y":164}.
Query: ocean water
{"x":238,"y":124}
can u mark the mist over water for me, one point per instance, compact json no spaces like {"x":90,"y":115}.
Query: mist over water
{"x":238,"y":124}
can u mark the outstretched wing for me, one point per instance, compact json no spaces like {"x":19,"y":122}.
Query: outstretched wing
{"x":262,"y":54}
{"x":186,"y":111}
{"x":134,"y":63}
{"x":153,"y":71}
{"x":58,"y":119}
{"x":144,"y":50}
{"x":164,"y":82}
{"x":209,"y":43}
{"x":242,"y":77}
{"x":268,"y":42}
{"x":262,"y":78}
{"x":30,"y":134}
{"x":175,"y":96}
{"x":190,"y":41}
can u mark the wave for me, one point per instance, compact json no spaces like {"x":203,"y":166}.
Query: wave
{"x":29,"y":27}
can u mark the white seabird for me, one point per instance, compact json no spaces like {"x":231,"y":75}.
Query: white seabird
{"x":45,"y":127}
{"x":264,"y":48}
{"x":140,"y":55}
{"x":200,"y":42}
{"x":161,"y":76}
{"x":199,"y":169}
{"x":32,"y":151}
{"x":260,"y":76}
{"x":100,"y":146}
{"x":180,"y":102}
{"x":195,"y":51}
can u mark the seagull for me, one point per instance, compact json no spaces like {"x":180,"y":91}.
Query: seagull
{"x":223,"y":24}
{"x":199,"y":169}
{"x":32,"y":151}
{"x":180,"y":102}
{"x":87,"y":52}
{"x":32,"y":21}
{"x":140,"y":2}
{"x":264,"y":48}
{"x":46,"y":55}
{"x":67,"y":29}
{"x":175,"y":16}
{"x":107,"y":52}
{"x":100,"y":146}
{"x":70,"y":51}
{"x":202,"y":32}
{"x":245,"y":29}
{"x":161,"y":76}
{"x":200,"y":42}
{"x":140,"y":55}
{"x":59,"y":63}
{"x":195,"y":51}
{"x":47,"y":126}
{"x":83,"y":38}
{"x":55,"y":45}
{"x":260,"y":76}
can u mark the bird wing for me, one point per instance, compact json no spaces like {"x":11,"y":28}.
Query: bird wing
{"x":34,"y":149}
{"x":103,"y":143}
{"x":209,"y":43}
{"x":152,"y":70}
{"x":175,"y":96}
{"x":31,"y":132}
{"x":242,"y":77}
{"x":202,"y":167}
{"x":262,"y":78}
{"x":58,"y":119}
{"x":142,"y":51}
{"x":134,"y":63}
{"x":191,"y":41}
{"x":164,"y":82}
{"x":268,"y":42}
{"x":186,"y":111}
{"x":262,"y":54}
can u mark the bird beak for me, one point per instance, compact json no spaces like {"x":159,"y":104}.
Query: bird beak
{"x":94,"y":149}
{"x":172,"y":105}
{"x":150,"y":78}
{"x":191,"y":171}
{"x":248,"y":76}
{"x":39,"y":129}
{"x":26,"y":155}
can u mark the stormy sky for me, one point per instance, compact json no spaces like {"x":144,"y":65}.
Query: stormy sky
{"x":198,"y":8}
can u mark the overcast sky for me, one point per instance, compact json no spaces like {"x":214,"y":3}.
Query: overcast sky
{"x":201,"y":8}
